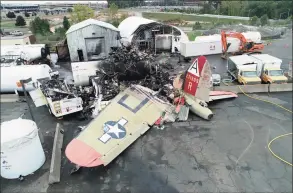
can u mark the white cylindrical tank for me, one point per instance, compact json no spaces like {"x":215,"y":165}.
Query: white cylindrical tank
{"x":10,"y":76}
{"x":252,"y":36}
{"x":21,"y":149}
{"x":27,"y":52}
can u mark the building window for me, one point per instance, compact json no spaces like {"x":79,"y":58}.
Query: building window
{"x":95,"y":48}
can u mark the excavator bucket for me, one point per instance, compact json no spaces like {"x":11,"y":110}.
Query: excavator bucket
{"x":225,"y":53}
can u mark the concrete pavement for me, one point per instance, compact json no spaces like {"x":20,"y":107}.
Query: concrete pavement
{"x":193,"y":156}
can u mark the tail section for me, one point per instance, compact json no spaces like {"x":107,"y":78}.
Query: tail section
{"x":197,"y":80}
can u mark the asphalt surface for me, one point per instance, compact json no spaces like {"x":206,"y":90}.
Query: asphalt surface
{"x":193,"y":156}
{"x":227,"y":154}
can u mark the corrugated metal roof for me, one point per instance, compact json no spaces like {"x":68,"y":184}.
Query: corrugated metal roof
{"x":90,"y":22}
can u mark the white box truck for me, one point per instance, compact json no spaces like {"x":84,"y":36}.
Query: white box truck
{"x":206,"y":45}
{"x":269,"y":68}
{"x":243,"y":69}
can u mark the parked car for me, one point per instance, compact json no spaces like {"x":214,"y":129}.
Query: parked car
{"x":216,"y":79}
{"x":16,"y":33}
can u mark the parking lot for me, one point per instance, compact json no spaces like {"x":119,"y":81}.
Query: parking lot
{"x":227,"y":154}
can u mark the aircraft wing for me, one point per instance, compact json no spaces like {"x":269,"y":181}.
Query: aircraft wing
{"x":116,"y":127}
{"x":217,"y":95}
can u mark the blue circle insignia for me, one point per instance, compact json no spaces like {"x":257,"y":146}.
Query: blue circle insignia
{"x":114,"y":129}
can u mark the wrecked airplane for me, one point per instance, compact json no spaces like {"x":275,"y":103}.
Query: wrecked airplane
{"x":107,"y":135}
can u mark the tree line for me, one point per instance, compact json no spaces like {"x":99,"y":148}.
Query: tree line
{"x":274,"y":9}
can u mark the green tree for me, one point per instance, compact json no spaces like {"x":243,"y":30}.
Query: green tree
{"x":60,"y":32}
{"x":81,"y":13}
{"x":232,"y":8}
{"x":206,"y":9}
{"x":113,"y":10}
{"x":69,"y":10}
{"x":20,"y":21}
{"x":11,"y":15}
{"x":264,"y":20}
{"x":196,"y":26}
{"x":253,"y":20}
{"x":40,"y":26}
{"x":66,"y":23}
{"x":258,"y":23}
{"x":26,"y":14}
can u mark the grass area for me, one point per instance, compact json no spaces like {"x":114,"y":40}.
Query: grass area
{"x":170,"y":16}
{"x":193,"y":34}
{"x":11,"y":25}
{"x":7,"y":24}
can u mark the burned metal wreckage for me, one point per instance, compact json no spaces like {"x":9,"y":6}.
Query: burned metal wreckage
{"x":152,"y":35}
{"x":141,"y":102}
{"x":124,"y":67}
{"x":129,"y":93}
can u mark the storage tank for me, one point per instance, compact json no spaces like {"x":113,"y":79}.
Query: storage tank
{"x":21,"y":149}
{"x":10,"y":76}
{"x":253,"y":36}
{"x":27,"y":52}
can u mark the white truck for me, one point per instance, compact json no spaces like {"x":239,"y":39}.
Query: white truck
{"x":212,"y":44}
{"x":243,"y":69}
{"x":205,"y":45}
{"x":269,"y":68}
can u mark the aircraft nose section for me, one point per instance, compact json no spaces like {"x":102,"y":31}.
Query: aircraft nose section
{"x":82,"y":154}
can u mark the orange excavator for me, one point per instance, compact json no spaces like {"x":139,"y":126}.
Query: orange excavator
{"x":246,"y":46}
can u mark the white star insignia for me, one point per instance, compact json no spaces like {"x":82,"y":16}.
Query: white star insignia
{"x":114,"y":129}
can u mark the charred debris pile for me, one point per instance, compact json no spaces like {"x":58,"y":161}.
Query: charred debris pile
{"x":124,"y":67}
{"x":127,"y":66}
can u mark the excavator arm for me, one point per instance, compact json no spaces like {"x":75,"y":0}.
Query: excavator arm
{"x":245,"y":45}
